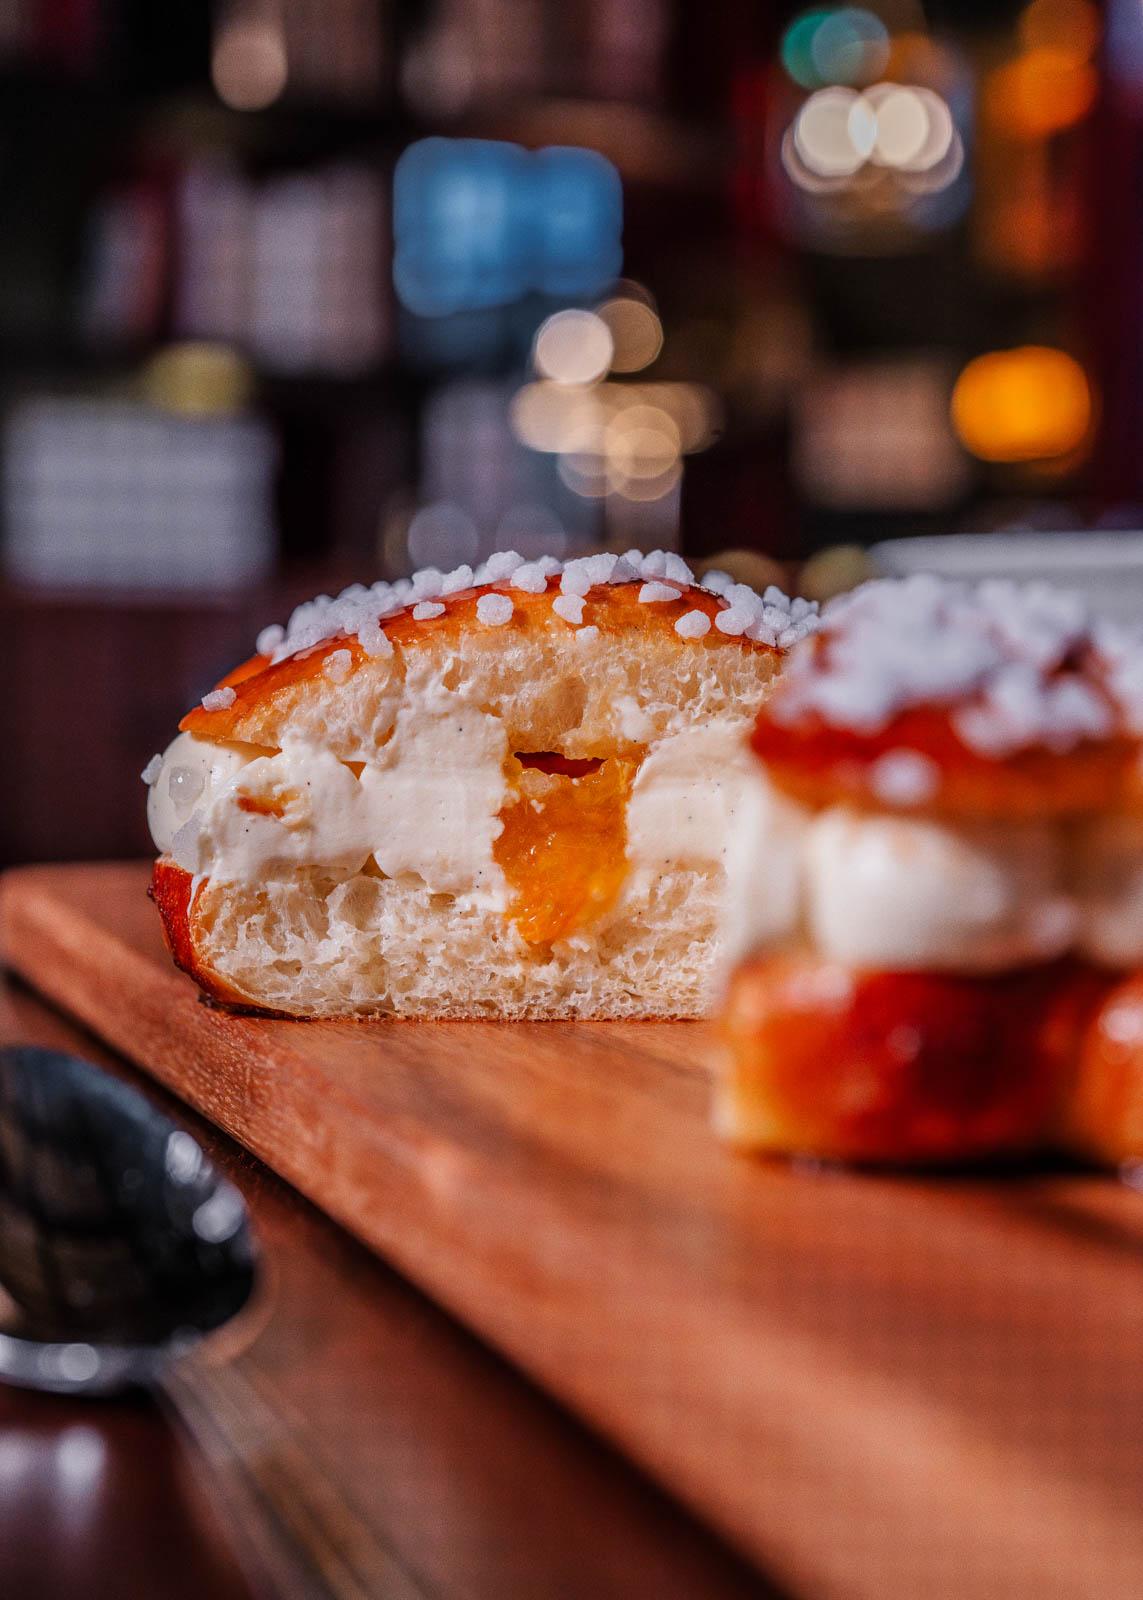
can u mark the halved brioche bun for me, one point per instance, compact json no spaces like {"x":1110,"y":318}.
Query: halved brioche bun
{"x":573,"y":917}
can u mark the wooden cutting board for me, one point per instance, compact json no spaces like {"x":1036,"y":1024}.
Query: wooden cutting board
{"x":874,"y":1386}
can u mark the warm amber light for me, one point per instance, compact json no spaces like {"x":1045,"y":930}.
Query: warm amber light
{"x":198,"y":379}
{"x":1071,"y":27}
{"x":1041,"y":93}
{"x":1030,"y":404}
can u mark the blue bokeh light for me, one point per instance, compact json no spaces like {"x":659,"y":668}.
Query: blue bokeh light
{"x":479,"y":224}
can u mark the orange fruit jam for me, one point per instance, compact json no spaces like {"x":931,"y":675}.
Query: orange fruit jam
{"x":564,"y":845}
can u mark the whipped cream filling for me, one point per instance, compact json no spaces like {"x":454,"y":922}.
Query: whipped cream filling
{"x":687,"y":797}
{"x":192,"y":773}
{"x":426,"y":804}
{"x":293,"y":809}
{"x":906,"y":893}
{"x":433,"y":795}
{"x":897,"y":892}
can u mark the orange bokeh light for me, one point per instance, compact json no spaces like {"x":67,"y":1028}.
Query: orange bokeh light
{"x":1029,"y":404}
{"x":1070,"y":27}
{"x":1040,"y":93}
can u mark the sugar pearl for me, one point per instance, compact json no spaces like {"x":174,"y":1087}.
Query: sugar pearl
{"x":531,"y":578}
{"x":373,"y":639}
{"x":270,"y":638}
{"x":218,"y":699}
{"x":904,"y":778}
{"x":652,"y":593}
{"x":337,"y":666}
{"x":569,"y":607}
{"x":426,"y":610}
{"x":693,"y":625}
{"x":494,"y":610}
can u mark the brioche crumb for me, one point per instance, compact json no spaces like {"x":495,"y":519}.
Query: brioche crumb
{"x":368,"y":946}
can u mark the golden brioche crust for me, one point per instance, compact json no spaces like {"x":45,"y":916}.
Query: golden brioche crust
{"x":819,"y":765}
{"x":267,"y":695}
{"x":899,"y":1068}
{"x":172,"y":890}
{"x":1103,"y":1116}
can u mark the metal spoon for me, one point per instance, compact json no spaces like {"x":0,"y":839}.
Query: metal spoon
{"x":121,"y":1250}
{"x":120,"y":1246}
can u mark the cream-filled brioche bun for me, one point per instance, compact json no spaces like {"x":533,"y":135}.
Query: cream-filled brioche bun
{"x":501,"y":793}
{"x":950,"y":782}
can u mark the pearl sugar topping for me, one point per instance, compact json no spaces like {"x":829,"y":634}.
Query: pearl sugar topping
{"x":359,"y":611}
{"x":1019,"y":665}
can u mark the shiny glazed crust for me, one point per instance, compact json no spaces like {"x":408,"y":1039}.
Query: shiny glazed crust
{"x":820,"y":765}
{"x":899,"y":1068}
{"x":1103,"y":1117}
{"x":269,"y":696}
{"x":172,"y":891}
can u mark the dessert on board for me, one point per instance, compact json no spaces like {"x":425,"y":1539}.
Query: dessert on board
{"x":502,"y":793}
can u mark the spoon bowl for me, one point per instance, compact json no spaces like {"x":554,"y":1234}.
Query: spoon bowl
{"x":120,"y":1245}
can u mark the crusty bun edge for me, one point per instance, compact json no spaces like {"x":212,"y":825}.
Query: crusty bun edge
{"x":173,"y":891}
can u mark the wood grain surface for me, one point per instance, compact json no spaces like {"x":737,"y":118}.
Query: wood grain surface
{"x":443,"y":1472}
{"x":872,"y":1385}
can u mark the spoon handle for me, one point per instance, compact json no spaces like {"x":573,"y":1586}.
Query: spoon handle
{"x":300,"y":1538}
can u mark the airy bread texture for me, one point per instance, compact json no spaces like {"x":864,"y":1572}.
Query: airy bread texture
{"x":312,"y":947}
{"x":305,"y":940}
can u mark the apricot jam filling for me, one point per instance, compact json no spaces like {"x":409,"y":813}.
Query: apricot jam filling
{"x":564,"y":845}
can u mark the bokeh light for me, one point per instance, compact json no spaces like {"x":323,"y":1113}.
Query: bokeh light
{"x":636,"y":332}
{"x":1040,"y":93}
{"x":850,"y":46}
{"x":248,"y":66}
{"x":198,"y":379}
{"x":1029,"y":404}
{"x":623,"y":437}
{"x":900,"y":125}
{"x":828,"y":130}
{"x":479,"y":223}
{"x":797,"y":48}
{"x":894,"y":125}
{"x":1070,"y":27}
{"x":442,"y":535}
{"x":573,"y":347}
{"x":642,"y":444}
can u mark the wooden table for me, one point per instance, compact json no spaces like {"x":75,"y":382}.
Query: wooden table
{"x":924,"y":1387}
{"x":490,"y":1490}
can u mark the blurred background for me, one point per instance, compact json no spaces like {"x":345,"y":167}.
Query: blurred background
{"x":300,"y":292}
